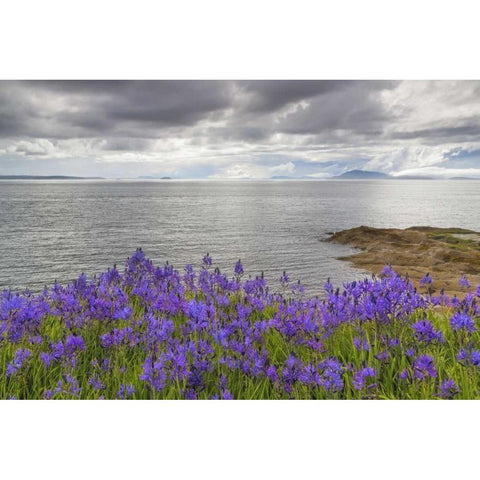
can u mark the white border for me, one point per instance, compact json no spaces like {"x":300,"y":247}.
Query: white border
{"x":249,"y":39}
{"x":221,"y":439}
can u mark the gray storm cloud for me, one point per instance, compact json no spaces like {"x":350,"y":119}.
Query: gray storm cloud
{"x":257,"y":129}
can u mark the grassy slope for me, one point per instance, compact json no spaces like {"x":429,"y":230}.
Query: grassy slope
{"x":127,"y":363}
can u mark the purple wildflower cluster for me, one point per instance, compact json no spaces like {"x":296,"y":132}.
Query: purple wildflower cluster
{"x":448,"y":389}
{"x":426,"y":279}
{"x":153,"y":332}
{"x":461,"y":321}
{"x":19,"y":359}
{"x":361,"y":377}
{"x":426,"y":332}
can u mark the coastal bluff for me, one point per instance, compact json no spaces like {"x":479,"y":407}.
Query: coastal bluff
{"x":446,"y":253}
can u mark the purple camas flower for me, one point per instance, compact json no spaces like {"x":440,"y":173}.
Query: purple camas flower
{"x":328,"y":287}
{"x":56,"y":354}
{"x":424,"y":367}
{"x":383,"y":355}
{"x":454,"y":302}
{"x":284,"y":279}
{"x":475,"y":358}
{"x":207,"y":260}
{"x":178,"y":363}
{"x":71,"y":386}
{"x":463,"y":282}
{"x":331,"y":374}
{"x":198,"y":314}
{"x":154,"y":373}
{"x":189,"y":276}
{"x":291,"y":372}
{"x":387,"y":270}
{"x":462,"y":355}
{"x":96,"y":383}
{"x":68,"y":386}
{"x":125,"y":391}
{"x":361,"y":376}
{"x":74,"y":343}
{"x":122,"y":313}
{"x":462,"y":322}
{"x":361,"y":343}
{"x":392,"y":342}
{"x":18,"y":361}
{"x":272,"y":374}
{"x":469,"y":357}
{"x":309,"y":375}
{"x":426,"y":333}
{"x":239,"y":268}
{"x":46,"y":359}
{"x":48,"y":394}
{"x":410,"y":352}
{"x":426,"y":280}
{"x":298,"y":288}
{"x":190,"y":394}
{"x":226,"y":395}
{"x":448,"y":389}
{"x":106,"y":365}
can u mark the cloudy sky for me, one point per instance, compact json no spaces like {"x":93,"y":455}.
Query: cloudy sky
{"x":239,"y":129}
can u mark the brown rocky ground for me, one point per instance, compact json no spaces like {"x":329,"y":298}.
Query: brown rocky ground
{"x":447,"y":253}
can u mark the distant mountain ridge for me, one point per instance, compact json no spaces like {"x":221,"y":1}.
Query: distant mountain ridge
{"x":361,"y":174}
{"x":368,"y":175}
{"x":152,"y":177}
{"x":371,"y":175}
{"x":464,"y":178}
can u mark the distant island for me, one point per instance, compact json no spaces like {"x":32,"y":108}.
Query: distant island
{"x":369,"y":175}
{"x":361,"y":174}
{"x":464,"y":178}
{"x":152,"y":177}
{"x":46,"y":177}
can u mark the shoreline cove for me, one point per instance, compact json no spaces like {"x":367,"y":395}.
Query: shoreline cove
{"x":445,"y":253}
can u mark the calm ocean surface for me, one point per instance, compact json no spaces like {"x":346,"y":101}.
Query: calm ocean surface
{"x":56,"y":230}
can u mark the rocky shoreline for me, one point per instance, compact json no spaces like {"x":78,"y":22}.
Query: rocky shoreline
{"x":446,"y":253}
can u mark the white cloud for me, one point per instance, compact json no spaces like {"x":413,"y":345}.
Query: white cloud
{"x":250,"y":170}
{"x":39,"y":147}
{"x":233,"y":129}
{"x":282,"y":169}
{"x":320,"y":175}
{"x":441,"y":172}
{"x":406,"y":158}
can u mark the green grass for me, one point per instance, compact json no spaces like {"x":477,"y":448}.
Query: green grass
{"x":126,"y":362}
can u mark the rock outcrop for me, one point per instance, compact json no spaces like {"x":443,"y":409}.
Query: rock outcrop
{"x":446,"y":253}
